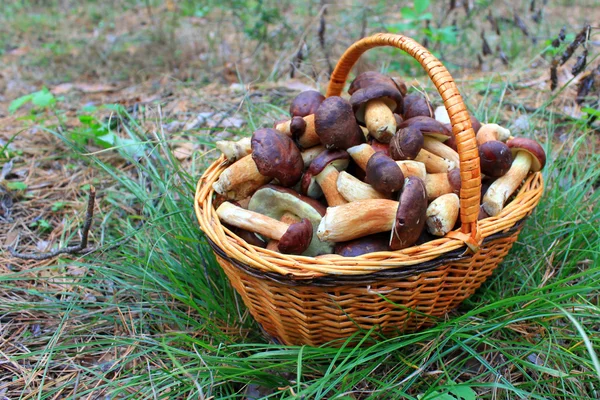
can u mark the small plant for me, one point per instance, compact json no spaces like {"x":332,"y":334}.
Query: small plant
{"x":41,"y":224}
{"x":42,"y":99}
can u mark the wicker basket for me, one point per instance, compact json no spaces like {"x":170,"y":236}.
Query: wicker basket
{"x":306,"y":300}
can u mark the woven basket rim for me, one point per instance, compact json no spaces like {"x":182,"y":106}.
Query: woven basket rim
{"x":302,"y":267}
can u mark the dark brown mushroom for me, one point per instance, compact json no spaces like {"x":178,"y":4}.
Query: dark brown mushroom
{"x":364,"y":245}
{"x":336,"y":126}
{"x":495,"y":158}
{"x":528,"y":156}
{"x":277,"y":156}
{"x":375,"y":107}
{"x":415,"y":105}
{"x":411,"y":214}
{"x":306,"y":103}
{"x":384,"y":174}
{"x":406,"y":143}
{"x":325,"y":171}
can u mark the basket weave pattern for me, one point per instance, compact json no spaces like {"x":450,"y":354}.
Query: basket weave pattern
{"x":306,"y":300}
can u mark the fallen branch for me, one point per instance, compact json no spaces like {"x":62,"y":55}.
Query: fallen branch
{"x":78,"y":249}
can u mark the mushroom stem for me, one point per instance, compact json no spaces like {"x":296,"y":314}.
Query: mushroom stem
{"x":380,"y":120}
{"x":252,"y":221}
{"x":440,"y":149}
{"x":412,"y":168}
{"x":503,"y":187}
{"x":442,"y":183}
{"x":357,"y":219}
{"x":306,"y":139}
{"x":353,"y":189}
{"x":442,"y":214}
{"x":240,"y":179}
{"x":361,"y":154}
{"x":434,"y":163}
{"x":327,"y":179}
{"x":234,"y":150}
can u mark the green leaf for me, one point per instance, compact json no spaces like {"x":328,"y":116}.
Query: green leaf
{"x":421,"y":6}
{"x":59,"y":205}
{"x":43,"y":98}
{"x":408,"y":13}
{"x":18,"y":103}
{"x":16,"y":185}
{"x":591,"y":111}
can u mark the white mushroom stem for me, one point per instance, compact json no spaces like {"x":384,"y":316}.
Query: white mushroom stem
{"x":442,"y":214}
{"x":412,"y":168}
{"x":286,"y":218}
{"x":434,"y":163}
{"x":252,"y":221}
{"x":357,"y":219}
{"x":309,"y":155}
{"x":327,"y":179}
{"x":353,"y":189}
{"x":309,"y":138}
{"x":240,"y":179}
{"x":380,"y":120}
{"x":440,"y":149}
{"x":503,"y":187}
{"x":489,"y":132}
{"x":234,"y":150}
{"x":437,"y":185}
{"x":361,"y":154}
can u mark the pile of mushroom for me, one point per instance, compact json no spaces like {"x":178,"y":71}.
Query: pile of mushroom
{"x":378,"y":171}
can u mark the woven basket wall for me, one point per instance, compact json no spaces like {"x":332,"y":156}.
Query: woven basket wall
{"x":314,"y":300}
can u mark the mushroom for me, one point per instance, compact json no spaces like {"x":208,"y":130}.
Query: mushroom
{"x":415,"y":104}
{"x":293,"y":239}
{"x":442,"y":183}
{"x":371,"y":78}
{"x":495,"y":156}
{"x":309,"y":155}
{"x":440,"y":149}
{"x":301,"y":130}
{"x":277,"y":156}
{"x":287,"y":218}
{"x":353,"y":189}
{"x":234,"y":150}
{"x":324,"y":170}
{"x":361,"y":154}
{"x":276,"y":201}
{"x":361,"y":218}
{"x":384,"y":174}
{"x":364,"y":245}
{"x":434,"y":163}
{"x":406,"y":143}
{"x":434,"y":135}
{"x":442,"y":214}
{"x":375,"y":105}
{"x":306,"y":103}
{"x":240,"y":179}
{"x":528,"y":156}
{"x":335,"y":124}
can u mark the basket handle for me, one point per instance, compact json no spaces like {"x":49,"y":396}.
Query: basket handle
{"x":470,"y":174}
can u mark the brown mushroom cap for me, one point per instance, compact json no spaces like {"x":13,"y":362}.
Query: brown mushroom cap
{"x":277,"y":156}
{"x":369,"y":78}
{"x":384,"y":174}
{"x":378,"y":146}
{"x":495,"y":158}
{"x":406,"y":143}
{"x":306,"y":103}
{"x":454,"y":179}
{"x":297,"y":238}
{"x":428,"y":126}
{"x":411,"y":214}
{"x":388,"y":93}
{"x":415,"y":104}
{"x":335,"y":124}
{"x":297,"y":128}
{"x":538,"y":156}
{"x":363,"y":245}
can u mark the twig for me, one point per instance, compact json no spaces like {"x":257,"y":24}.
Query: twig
{"x":77,"y":249}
